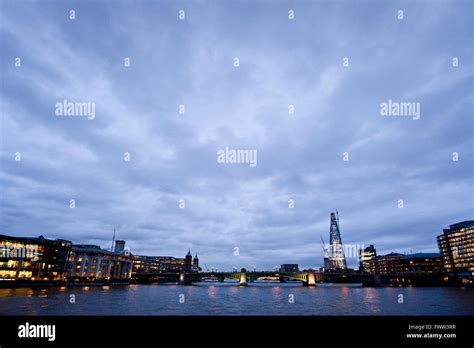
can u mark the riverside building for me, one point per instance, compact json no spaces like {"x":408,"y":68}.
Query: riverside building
{"x":33,"y":259}
{"x":456,"y":246}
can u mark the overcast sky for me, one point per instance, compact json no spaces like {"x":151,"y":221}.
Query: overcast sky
{"x":173,"y":156}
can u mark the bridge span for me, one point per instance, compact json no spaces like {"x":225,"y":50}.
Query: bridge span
{"x":307,"y":278}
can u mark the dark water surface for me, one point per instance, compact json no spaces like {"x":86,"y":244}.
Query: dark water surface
{"x":231,"y":299}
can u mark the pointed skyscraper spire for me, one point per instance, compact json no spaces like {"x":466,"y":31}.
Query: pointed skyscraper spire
{"x":336,"y":252}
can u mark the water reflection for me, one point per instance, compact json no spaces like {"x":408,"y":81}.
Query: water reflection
{"x":212,"y":292}
{"x":43,"y":293}
{"x":232,"y":299}
{"x":276,"y":292}
{"x":371,"y":300}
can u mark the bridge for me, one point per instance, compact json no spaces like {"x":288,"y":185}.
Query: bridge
{"x":307,"y":278}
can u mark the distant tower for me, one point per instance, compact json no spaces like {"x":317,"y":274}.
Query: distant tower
{"x":337,"y":259}
{"x":188,"y":261}
{"x":196,"y":261}
{"x":119,"y":246}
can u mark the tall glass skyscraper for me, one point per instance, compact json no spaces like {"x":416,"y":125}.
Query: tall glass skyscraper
{"x":336,"y":257}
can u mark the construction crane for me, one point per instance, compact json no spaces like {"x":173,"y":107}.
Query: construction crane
{"x":325,"y":252}
{"x":113,"y":241}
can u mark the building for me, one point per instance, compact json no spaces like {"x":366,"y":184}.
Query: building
{"x":188,"y":260}
{"x":33,"y":259}
{"x":195,"y":267}
{"x":400,"y":264}
{"x":336,"y":258}
{"x":456,"y":246}
{"x":145,"y":264}
{"x":365,"y":256}
{"x":170,"y":263}
{"x":420,"y":264}
{"x":289,"y":268}
{"x":327,"y":265}
{"x":91,"y":263}
{"x":119,"y":246}
{"x":163,"y":264}
{"x":157,"y":264}
{"x":386,"y":264}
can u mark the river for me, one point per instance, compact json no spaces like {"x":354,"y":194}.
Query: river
{"x":209,"y":298}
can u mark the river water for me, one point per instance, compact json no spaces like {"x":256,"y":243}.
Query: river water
{"x":215,"y":298}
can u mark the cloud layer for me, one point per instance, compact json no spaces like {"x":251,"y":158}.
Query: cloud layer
{"x":173,"y":156}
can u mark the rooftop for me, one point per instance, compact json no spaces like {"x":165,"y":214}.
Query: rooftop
{"x":39,"y":239}
{"x":421,"y":256}
{"x":464,"y":224}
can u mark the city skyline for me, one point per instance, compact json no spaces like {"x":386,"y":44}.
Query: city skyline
{"x":338,"y":249}
{"x":313,"y":117}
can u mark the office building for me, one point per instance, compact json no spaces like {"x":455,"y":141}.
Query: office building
{"x":385,"y":264}
{"x":365,"y":256}
{"x":420,"y":264}
{"x":289,"y":268}
{"x":33,"y":259}
{"x":456,"y":246}
{"x":162,"y":264}
{"x":400,"y":264}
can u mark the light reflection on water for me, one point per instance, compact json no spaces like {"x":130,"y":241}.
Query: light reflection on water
{"x":212,"y":291}
{"x":228,"y":298}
